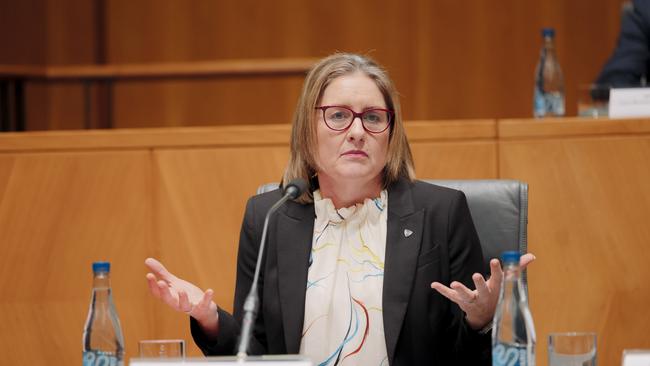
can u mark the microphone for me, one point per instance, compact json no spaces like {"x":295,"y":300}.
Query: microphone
{"x":292,"y":191}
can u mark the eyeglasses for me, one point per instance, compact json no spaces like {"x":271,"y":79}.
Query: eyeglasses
{"x":339,"y":118}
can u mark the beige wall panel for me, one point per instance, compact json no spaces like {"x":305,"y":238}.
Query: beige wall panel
{"x":455,"y":160}
{"x":218,"y":101}
{"x":449,"y":59}
{"x":200,"y":199}
{"x":58,"y":213}
{"x":588,"y":212}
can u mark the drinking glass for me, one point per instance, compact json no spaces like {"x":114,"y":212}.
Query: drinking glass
{"x":162,"y":348}
{"x":572,"y":349}
{"x":593,"y":100}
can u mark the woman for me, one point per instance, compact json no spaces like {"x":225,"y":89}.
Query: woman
{"x":350,"y":265}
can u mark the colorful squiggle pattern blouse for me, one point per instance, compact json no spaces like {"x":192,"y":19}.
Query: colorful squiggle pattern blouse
{"x":343,"y":310}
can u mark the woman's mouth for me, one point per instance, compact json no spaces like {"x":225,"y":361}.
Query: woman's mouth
{"x":358,"y":153}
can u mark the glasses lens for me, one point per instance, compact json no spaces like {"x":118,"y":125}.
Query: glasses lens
{"x":376,"y":120}
{"x":337,"y":118}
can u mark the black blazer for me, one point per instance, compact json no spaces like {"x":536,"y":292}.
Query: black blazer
{"x":630,"y":60}
{"x":420,"y":325}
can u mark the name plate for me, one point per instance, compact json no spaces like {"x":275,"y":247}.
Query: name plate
{"x":636,"y":357}
{"x":271,"y":360}
{"x":629,"y":102}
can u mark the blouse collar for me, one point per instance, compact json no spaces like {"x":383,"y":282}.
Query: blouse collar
{"x":370,"y":209}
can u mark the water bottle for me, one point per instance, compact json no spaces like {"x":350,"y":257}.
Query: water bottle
{"x":513,"y":333}
{"x":548,"y":99}
{"x":103,"y":343}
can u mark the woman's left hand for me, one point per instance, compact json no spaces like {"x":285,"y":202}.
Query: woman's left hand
{"x":479,"y":305}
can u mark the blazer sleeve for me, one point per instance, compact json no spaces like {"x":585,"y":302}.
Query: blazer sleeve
{"x":465,"y":259}
{"x":631,"y":57}
{"x":230,"y":325}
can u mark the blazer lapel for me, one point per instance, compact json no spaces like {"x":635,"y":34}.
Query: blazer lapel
{"x":403,"y":240}
{"x":293,"y":247}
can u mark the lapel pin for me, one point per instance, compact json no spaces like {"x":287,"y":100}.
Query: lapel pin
{"x":407,"y":233}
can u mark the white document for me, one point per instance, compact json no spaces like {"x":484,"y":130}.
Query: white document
{"x":636,"y":357}
{"x":271,"y":360}
{"x":629,"y":102}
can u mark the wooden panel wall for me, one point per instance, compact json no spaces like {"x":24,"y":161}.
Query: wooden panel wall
{"x":59,"y":212}
{"x":68,"y":198}
{"x":449,"y":59}
{"x":589,"y":212}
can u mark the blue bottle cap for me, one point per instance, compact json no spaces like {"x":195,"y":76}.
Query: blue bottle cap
{"x":548,"y":32}
{"x":510,"y":256}
{"x":101,"y":266}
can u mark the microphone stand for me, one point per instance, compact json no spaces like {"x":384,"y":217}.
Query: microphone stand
{"x":251,"y":304}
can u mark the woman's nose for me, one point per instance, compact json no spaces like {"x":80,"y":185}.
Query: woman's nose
{"x":356,"y":130}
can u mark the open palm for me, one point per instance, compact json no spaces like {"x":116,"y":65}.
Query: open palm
{"x":180,"y":295}
{"x":480,"y":304}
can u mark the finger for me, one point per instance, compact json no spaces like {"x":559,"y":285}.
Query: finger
{"x":159,"y":269}
{"x":153,"y":285}
{"x":184,"y":302}
{"x":447,"y":292}
{"x":166,"y":295}
{"x":496,"y":274}
{"x":526,"y":259}
{"x":465,"y":293}
{"x":206,"y":299}
{"x":481,"y":285}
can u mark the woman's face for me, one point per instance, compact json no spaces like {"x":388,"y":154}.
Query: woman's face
{"x":353,"y":155}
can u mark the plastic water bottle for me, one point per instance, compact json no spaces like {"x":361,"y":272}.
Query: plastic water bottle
{"x":513,"y":334}
{"x":103,"y":343}
{"x":548,"y":99}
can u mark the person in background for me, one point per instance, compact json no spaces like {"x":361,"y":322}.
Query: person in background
{"x":629,"y":65}
{"x":369,"y":266}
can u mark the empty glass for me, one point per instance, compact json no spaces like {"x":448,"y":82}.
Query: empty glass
{"x":162,"y":348}
{"x":593,"y":100}
{"x":572,"y":349}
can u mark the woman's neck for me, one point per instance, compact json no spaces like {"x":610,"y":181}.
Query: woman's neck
{"x":349,"y":193}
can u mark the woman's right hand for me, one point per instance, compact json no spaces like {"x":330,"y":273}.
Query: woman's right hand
{"x":183,"y":296}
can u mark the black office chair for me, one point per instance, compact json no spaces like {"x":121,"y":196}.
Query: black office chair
{"x":499,"y":209}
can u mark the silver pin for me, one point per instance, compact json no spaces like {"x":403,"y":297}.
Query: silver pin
{"x":407,"y":232}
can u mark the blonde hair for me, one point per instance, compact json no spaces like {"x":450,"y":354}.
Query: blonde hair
{"x":302,"y":159}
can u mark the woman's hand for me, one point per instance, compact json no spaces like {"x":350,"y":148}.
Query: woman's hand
{"x":183,"y":296}
{"x":479,"y":305}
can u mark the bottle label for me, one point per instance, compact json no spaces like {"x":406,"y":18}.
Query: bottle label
{"x":99,"y":358}
{"x":548,"y":104}
{"x":509,"y":355}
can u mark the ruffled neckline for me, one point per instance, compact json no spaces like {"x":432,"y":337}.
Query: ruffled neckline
{"x":370,"y":209}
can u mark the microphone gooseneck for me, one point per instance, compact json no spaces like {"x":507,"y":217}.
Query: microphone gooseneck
{"x":293,"y":190}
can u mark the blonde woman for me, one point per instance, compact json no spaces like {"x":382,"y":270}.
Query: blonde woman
{"x":370,"y":266}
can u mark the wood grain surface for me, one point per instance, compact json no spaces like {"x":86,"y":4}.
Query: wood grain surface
{"x":68,"y":198}
{"x":449,"y":59}
{"x":588,"y":226}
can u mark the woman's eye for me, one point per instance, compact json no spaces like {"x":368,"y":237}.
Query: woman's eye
{"x":338,"y":115}
{"x":372,"y":117}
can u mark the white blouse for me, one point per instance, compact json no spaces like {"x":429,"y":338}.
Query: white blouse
{"x":343,"y":310}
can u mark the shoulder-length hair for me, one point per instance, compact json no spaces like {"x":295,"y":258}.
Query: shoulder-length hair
{"x":302,"y":159}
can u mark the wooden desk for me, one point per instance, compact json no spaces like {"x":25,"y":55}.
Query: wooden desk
{"x":68,"y":198}
{"x":589,"y":216}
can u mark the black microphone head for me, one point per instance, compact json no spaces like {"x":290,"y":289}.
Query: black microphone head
{"x":295,"y":188}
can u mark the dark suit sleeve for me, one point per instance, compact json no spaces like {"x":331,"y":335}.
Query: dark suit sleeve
{"x":466,"y":258}
{"x":229,"y":325}
{"x":630,"y":60}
